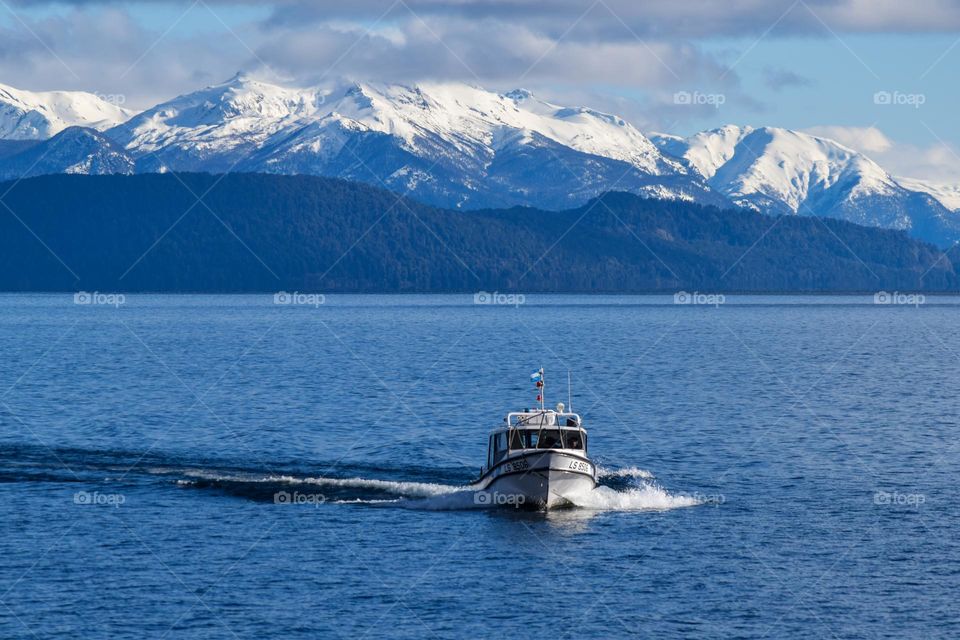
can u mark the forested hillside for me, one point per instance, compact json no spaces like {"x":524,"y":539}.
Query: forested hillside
{"x":253,"y":232}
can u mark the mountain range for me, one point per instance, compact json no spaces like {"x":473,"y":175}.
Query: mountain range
{"x":462,"y":147}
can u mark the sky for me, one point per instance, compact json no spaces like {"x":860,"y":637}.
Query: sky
{"x":880,"y":76}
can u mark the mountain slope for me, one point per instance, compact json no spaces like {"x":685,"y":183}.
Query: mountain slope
{"x":946,"y":194}
{"x":27,"y":115}
{"x":302,"y":233}
{"x":459,"y":146}
{"x":448,"y":144}
{"x":776,"y":170}
{"x":73,"y":150}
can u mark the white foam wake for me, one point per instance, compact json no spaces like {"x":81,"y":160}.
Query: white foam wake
{"x":406,"y":489}
{"x":443,"y":497}
{"x":627,"y":472}
{"x":646,"y":498}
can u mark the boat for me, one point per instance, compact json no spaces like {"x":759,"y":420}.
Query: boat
{"x":537,"y":459}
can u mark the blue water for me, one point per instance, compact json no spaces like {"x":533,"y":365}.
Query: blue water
{"x":773,"y":467}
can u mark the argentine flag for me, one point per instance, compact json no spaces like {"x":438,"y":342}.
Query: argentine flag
{"x":536,"y":376}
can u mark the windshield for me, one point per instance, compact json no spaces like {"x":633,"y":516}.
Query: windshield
{"x":546,"y":439}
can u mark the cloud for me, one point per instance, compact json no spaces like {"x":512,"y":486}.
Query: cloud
{"x":108,"y":52}
{"x":483,"y":53}
{"x":618,"y":19}
{"x":105,"y":50}
{"x":937,"y":163}
{"x":866,"y":140}
{"x":779,"y":79}
{"x":628,"y":19}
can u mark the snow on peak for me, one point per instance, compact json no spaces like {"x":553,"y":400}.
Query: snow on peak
{"x":243,"y":112}
{"x":454,"y":143}
{"x":946,"y":194}
{"x":29,"y":115}
{"x":239,"y":113}
{"x":756,"y":165}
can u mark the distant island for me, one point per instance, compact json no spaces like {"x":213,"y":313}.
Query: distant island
{"x":257,"y":233}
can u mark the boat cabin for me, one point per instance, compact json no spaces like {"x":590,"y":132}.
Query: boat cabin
{"x":537,"y":429}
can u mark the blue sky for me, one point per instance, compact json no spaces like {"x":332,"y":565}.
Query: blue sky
{"x":815,"y":65}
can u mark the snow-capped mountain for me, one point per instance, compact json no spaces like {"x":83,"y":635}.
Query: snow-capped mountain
{"x":946,"y":194}
{"x":449,"y":144}
{"x":27,"y":115}
{"x":74,"y":150}
{"x":777,"y":170}
{"x":456,"y":145}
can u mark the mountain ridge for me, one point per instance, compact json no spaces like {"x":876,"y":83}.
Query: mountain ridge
{"x":460,"y":146}
{"x":770,"y":169}
{"x":38,"y":115}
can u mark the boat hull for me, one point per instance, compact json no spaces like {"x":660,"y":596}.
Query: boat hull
{"x":540,"y":480}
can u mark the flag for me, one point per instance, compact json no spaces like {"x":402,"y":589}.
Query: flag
{"x":536,"y":376}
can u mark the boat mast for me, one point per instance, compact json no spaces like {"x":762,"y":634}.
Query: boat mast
{"x":543,"y":385}
{"x":537,"y":377}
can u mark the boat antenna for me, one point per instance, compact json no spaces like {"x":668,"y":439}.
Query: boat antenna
{"x":569,"y":394}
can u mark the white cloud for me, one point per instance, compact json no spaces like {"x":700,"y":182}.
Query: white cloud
{"x":866,"y":140}
{"x":105,"y":50}
{"x":936,"y":163}
{"x":623,"y":19}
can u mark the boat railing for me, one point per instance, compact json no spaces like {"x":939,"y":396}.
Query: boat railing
{"x":546,"y":418}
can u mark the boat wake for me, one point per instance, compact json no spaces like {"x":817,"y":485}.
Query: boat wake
{"x":642,"y":493}
{"x":649,"y":497}
{"x":400,"y":489}
{"x":430,"y":489}
{"x":626,"y":472}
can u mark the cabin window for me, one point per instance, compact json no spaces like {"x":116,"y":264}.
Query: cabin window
{"x":499,"y":447}
{"x":572,"y":439}
{"x":549,"y":439}
{"x":541,"y":439}
{"x":538,"y":439}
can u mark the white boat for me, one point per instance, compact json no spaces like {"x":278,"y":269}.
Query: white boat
{"x":537,"y":459}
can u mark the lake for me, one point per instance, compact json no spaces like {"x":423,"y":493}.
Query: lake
{"x":177,"y":466}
